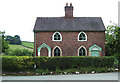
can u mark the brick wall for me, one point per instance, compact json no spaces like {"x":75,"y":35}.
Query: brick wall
{"x":70,"y":43}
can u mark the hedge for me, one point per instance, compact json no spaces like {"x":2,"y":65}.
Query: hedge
{"x":17,"y":63}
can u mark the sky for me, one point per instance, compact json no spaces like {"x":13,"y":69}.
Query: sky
{"x":17,"y":17}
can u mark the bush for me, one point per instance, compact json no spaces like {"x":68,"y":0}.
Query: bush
{"x":16,"y":63}
{"x":58,"y":70}
{"x":20,"y":52}
{"x":42,"y":71}
{"x":56,"y":63}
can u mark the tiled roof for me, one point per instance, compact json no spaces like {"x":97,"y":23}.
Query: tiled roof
{"x":69,"y":24}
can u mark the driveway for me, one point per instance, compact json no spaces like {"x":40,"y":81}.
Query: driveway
{"x":98,"y":76}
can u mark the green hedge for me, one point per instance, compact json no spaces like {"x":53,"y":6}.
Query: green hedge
{"x":16,"y":63}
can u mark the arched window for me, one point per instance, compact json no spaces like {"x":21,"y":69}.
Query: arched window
{"x":57,"y":37}
{"x":56,"y":52}
{"x":82,"y":51}
{"x":82,"y":36}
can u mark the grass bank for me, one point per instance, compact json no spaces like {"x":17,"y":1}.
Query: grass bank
{"x":13,"y":47}
{"x":28,"y":44}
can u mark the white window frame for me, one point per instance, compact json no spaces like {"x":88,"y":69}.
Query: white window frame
{"x":85,"y":36}
{"x":59,"y":34}
{"x":54,"y":49}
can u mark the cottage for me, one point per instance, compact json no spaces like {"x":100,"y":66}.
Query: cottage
{"x":69,"y":36}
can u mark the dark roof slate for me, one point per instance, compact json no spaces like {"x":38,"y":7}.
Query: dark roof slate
{"x":63,"y":24}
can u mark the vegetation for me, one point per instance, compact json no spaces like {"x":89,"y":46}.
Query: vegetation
{"x":28,"y":44}
{"x":21,"y":52}
{"x":113,"y":38}
{"x":18,"y":50}
{"x":19,"y":63}
{"x":4,"y":43}
{"x":14,"y":40}
{"x":13,"y":47}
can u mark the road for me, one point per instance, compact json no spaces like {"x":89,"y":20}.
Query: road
{"x":98,"y":76}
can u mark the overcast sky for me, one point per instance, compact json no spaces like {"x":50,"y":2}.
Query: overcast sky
{"x":17,"y":17}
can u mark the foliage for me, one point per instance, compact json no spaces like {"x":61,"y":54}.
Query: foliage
{"x":16,"y":63}
{"x":4,"y":43}
{"x":113,"y":38}
{"x":13,"y":47}
{"x":55,"y":63}
{"x":14,"y":40}
{"x":58,"y":70}
{"x":20,"y":52}
{"x":28,"y":44}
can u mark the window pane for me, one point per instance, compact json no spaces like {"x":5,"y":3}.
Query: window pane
{"x":57,"y":36}
{"x":82,"y":52}
{"x":57,"y":52}
{"x":82,"y":36}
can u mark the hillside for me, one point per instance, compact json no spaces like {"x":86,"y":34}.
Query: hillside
{"x":12,"y":47}
{"x":28,"y":44}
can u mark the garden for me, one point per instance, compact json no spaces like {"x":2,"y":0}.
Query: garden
{"x":18,"y":58}
{"x":29,"y":65}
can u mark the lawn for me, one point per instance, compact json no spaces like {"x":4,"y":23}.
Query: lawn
{"x":28,"y":44}
{"x":13,"y":47}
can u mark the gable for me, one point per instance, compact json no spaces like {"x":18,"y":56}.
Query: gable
{"x":95,"y":47}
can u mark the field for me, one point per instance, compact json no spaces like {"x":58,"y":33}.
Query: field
{"x":12,"y":47}
{"x":28,"y":44}
{"x":24,"y":45}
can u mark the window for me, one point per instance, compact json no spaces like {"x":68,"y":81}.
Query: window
{"x":57,"y":52}
{"x":57,"y":37}
{"x":82,"y":36}
{"x":82,"y":52}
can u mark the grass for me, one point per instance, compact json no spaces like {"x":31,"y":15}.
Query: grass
{"x":13,"y":47}
{"x":28,"y":44}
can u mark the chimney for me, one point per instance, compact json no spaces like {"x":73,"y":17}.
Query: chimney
{"x":68,"y":11}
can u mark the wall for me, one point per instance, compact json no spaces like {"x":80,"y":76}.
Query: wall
{"x":70,"y":43}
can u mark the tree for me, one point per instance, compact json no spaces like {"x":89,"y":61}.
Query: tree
{"x":13,"y":40}
{"x":17,"y":39}
{"x":10,"y":39}
{"x":4,"y":43}
{"x":113,"y":38}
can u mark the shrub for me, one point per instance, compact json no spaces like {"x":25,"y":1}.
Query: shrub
{"x":58,"y":70}
{"x":72,"y":70}
{"x":21,"y":52}
{"x":57,"y":63}
{"x":16,"y":63}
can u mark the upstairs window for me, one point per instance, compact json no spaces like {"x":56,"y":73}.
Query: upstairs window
{"x":57,"y":37}
{"x":82,"y":36}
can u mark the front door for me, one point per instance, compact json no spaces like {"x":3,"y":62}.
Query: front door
{"x":94,"y":53}
{"x":44,"y":51}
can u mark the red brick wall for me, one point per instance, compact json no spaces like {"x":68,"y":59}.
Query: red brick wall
{"x":70,"y":43}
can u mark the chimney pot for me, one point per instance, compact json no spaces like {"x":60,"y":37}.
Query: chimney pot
{"x":68,"y":11}
{"x":70,"y":4}
{"x":66,"y":4}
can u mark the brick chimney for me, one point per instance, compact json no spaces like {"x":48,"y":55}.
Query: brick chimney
{"x":68,"y":11}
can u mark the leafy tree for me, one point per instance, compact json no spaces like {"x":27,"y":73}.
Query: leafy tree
{"x":113,"y":38}
{"x":13,"y":40}
{"x":17,"y":39}
{"x":4,"y":43}
{"x":10,"y":39}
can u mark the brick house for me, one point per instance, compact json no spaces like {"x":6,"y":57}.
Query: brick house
{"x":69,"y":36}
